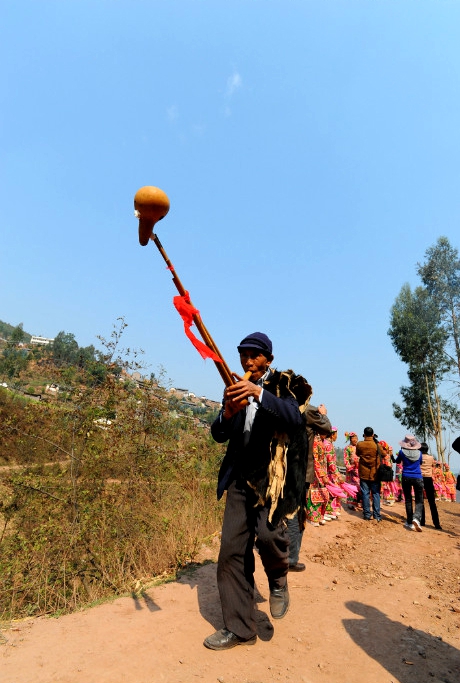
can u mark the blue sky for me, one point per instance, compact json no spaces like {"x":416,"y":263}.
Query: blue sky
{"x":310,"y":151}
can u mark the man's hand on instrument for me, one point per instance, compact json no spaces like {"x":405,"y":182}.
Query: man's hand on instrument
{"x":236,"y":395}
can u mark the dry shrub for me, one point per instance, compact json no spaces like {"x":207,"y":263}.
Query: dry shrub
{"x":131,"y":503}
{"x":103,"y":491}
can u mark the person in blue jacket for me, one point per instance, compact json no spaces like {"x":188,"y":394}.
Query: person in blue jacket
{"x":411,"y":458}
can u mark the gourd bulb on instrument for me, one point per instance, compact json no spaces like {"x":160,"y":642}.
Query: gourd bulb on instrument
{"x":150,"y":205}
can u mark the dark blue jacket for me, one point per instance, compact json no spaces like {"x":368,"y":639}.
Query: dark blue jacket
{"x":278,"y":414}
{"x":411,"y":468}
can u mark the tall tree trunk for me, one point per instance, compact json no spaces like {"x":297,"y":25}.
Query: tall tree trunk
{"x":455,"y":334}
{"x":439,"y":443}
{"x":435,"y":414}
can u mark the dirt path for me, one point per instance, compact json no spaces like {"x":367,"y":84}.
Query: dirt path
{"x":377,"y":604}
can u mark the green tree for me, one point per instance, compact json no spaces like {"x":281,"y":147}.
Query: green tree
{"x":86,"y":356}
{"x":17,"y":336}
{"x":423,"y":409}
{"x":419,"y":339}
{"x":440,"y":273}
{"x":65,"y":349}
{"x":13,"y":361}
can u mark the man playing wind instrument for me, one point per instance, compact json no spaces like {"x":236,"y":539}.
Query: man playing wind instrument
{"x":264,"y":474}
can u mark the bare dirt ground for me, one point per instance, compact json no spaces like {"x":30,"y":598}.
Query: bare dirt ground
{"x":377,"y":604}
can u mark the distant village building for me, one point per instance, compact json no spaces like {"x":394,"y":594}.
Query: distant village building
{"x":183,"y":393}
{"x":40,"y":340}
{"x":103,"y":423}
{"x":52,"y":389}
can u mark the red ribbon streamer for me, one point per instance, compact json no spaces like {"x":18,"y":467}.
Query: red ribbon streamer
{"x":186,"y":311}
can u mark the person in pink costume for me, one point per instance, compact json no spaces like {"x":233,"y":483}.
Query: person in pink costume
{"x":388,"y":487}
{"x":399,"y":494}
{"x":438,"y":480}
{"x":351,"y":465}
{"x":318,"y":495}
{"x":395,"y":483}
{"x":333,"y":507}
{"x":449,"y":483}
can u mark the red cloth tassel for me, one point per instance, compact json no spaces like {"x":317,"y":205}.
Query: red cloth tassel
{"x":186,"y":312}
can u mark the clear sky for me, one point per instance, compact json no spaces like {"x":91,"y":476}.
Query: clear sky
{"x":310,"y":151}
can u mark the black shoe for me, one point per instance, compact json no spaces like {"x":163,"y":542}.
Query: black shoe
{"x":224,"y":640}
{"x":297,"y":567}
{"x":439,"y":528}
{"x":279,"y":602}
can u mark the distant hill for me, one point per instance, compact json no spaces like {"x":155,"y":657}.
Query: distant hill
{"x":6,"y":329}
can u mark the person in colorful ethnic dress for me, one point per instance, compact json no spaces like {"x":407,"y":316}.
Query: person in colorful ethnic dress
{"x":399,"y":493}
{"x":388,"y":487}
{"x":438,"y":480}
{"x":351,"y":465}
{"x":449,"y":483}
{"x":333,"y":507}
{"x":318,"y":495}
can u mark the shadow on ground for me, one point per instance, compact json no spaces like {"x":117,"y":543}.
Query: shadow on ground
{"x":202,"y":577}
{"x":410,"y":655}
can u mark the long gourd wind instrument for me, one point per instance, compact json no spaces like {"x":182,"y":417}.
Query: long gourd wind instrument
{"x":151,"y":205}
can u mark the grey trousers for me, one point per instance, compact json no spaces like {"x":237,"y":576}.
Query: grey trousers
{"x":243,"y":527}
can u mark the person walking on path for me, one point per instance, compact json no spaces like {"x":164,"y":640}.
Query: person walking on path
{"x":427,"y":475}
{"x":264,"y":473}
{"x":369,"y":454}
{"x":317,"y":424}
{"x":411,"y":459}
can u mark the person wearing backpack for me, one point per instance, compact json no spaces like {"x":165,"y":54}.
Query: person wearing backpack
{"x":369,"y":454}
{"x":411,"y":459}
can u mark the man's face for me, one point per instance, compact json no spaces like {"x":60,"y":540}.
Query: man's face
{"x":253,"y":360}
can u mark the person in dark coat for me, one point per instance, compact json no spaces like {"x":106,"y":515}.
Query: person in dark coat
{"x":456,"y":447}
{"x":370,"y":455}
{"x":317,"y":422}
{"x":263,"y":472}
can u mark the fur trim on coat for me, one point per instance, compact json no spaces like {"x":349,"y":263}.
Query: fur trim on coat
{"x":277,"y":474}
